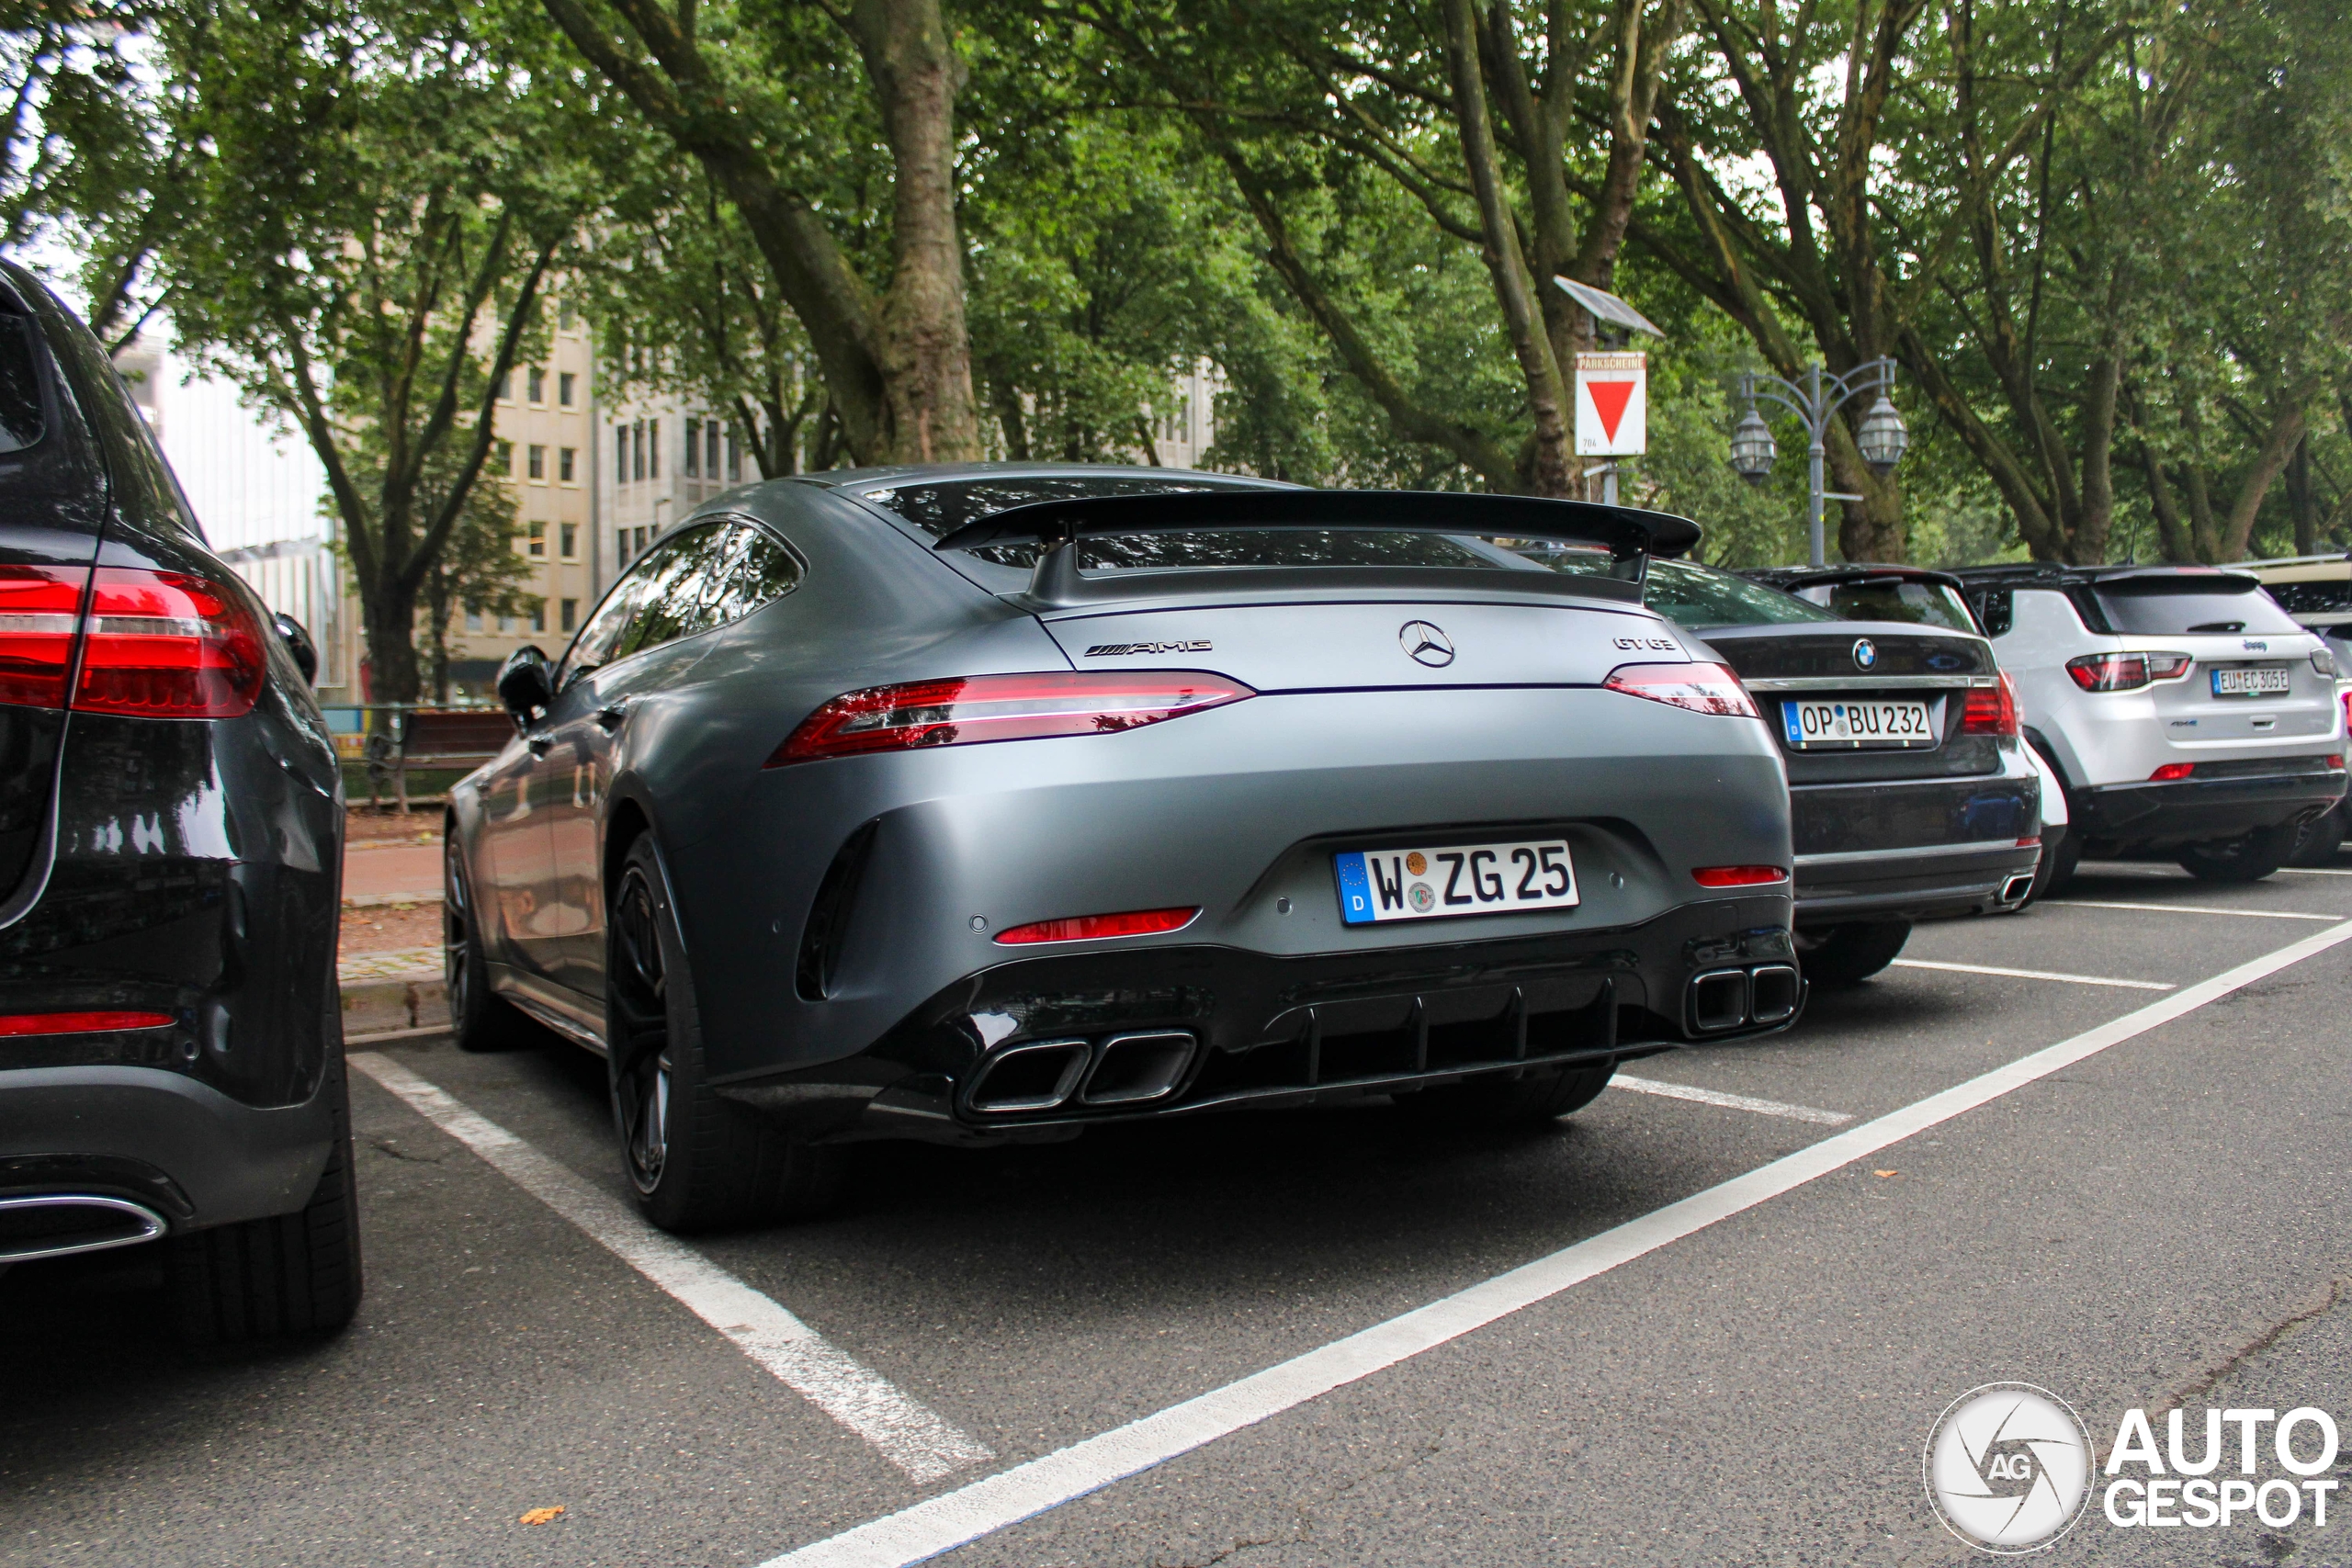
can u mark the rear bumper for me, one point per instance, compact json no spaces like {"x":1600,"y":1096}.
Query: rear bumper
{"x":1912,"y":885}
{"x":2207,"y":807}
{"x":1268,"y":1030}
{"x":162,"y":1139}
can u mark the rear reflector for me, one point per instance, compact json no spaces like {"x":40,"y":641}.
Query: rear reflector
{"x":1088,"y":928}
{"x":1001,"y":707}
{"x":2335,"y":760}
{"x":1990,"y":710}
{"x":79,"y":1022}
{"x":2171,"y":771}
{"x":1702,"y":688}
{"x":154,"y":644}
{"x":1738,"y":875}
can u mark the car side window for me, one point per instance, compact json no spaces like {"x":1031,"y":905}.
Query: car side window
{"x":1996,"y":608}
{"x":694,"y":582}
{"x":610,"y":633}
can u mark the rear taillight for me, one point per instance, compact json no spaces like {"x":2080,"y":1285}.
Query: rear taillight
{"x":1991,"y":710}
{"x":2346,"y":698}
{"x":1738,"y":876}
{"x":1702,"y":688}
{"x":165,"y":645}
{"x":2126,"y":672}
{"x":1091,"y":927}
{"x":2172,"y":773}
{"x":1001,"y":707}
{"x":155,"y":643}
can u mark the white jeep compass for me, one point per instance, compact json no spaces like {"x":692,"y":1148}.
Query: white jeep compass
{"x":2186,"y":714}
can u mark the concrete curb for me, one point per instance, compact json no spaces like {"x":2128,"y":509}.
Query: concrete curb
{"x":414,"y":1002}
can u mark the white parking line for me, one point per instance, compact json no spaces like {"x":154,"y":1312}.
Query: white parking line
{"x":909,"y":1436}
{"x":2033,"y":974}
{"x":981,"y":1507}
{"x":2314,"y":871}
{"x":2188,"y":910}
{"x":1729,"y":1101}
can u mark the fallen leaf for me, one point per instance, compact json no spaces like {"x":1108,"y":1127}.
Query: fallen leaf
{"x":542,"y":1515}
{"x":1886,"y":1173}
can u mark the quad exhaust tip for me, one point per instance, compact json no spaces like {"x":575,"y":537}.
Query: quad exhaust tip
{"x":1725,"y":998}
{"x":51,"y":1224}
{"x":1126,"y":1069}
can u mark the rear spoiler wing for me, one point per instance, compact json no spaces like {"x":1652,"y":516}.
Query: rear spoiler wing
{"x":1628,"y":533}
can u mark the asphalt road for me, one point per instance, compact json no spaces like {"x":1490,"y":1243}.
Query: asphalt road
{"x":2153,"y":1223}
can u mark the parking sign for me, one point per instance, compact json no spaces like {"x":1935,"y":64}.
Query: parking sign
{"x":1612,"y":404}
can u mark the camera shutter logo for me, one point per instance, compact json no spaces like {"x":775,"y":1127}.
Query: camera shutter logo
{"x":2008,"y":1468}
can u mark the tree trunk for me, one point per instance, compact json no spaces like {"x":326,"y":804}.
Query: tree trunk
{"x":390,"y":614}
{"x":2302,"y":506}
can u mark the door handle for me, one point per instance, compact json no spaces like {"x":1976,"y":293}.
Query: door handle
{"x":609,"y":716}
{"x":539,"y":744}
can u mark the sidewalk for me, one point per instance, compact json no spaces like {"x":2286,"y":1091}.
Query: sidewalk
{"x":394,"y":874}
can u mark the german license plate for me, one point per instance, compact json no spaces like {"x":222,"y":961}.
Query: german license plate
{"x":1454,"y":879}
{"x":1856,"y":724}
{"x":2248,"y":680}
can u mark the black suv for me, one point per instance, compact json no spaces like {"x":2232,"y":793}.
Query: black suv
{"x":171,"y":820}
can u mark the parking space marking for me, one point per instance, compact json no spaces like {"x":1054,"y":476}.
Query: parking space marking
{"x":2190,"y":909}
{"x":910,"y":1436}
{"x":2035,"y":974}
{"x":981,"y":1507}
{"x":1729,"y":1101}
{"x":2312,"y":870}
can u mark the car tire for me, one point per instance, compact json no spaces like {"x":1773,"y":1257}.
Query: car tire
{"x":480,"y":1018}
{"x":2249,"y":857}
{"x":1843,"y":954}
{"x":697,"y":1161}
{"x":2056,"y":867}
{"x":279,"y":1278}
{"x":1501,"y":1102}
{"x":2319,"y":839}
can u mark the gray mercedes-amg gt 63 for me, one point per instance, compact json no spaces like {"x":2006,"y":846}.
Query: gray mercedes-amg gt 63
{"x":989,"y":803}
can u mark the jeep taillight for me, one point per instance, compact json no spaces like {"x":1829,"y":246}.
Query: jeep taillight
{"x":149,"y":644}
{"x":2126,"y":672}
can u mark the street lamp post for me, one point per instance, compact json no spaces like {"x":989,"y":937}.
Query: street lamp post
{"x":1882,"y":437}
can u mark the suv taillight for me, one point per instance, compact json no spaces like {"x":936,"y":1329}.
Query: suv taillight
{"x":153,"y":644}
{"x":2126,"y":672}
{"x":1001,"y":707}
{"x":1991,"y":710}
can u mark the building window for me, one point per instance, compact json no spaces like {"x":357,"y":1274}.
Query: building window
{"x":694,"y":448}
{"x":637,"y":444}
{"x":620,"y":548}
{"x":473,"y":620}
{"x":734,"y":459}
{"x":640,"y":540}
{"x":569,"y":534}
{"x":538,"y":541}
{"x":505,"y":456}
{"x":564,"y":382}
{"x":710,"y":448}
{"x":506,"y":388}
{"x":535,"y":380}
{"x":563,"y":463}
{"x":570,"y":614}
{"x":538,"y":459}
{"x":566,"y":318}
{"x":653,"y":444}
{"x":539,"y":615}
{"x":620,"y":454}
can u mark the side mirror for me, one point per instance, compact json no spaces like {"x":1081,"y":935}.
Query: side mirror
{"x":298,"y":644}
{"x":523,"y":685}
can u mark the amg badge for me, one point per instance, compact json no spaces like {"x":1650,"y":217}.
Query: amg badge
{"x":1111,"y":649}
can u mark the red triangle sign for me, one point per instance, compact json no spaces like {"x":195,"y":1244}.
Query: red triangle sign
{"x":1609,"y":401}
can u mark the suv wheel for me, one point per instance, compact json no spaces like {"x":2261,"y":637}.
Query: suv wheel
{"x":2319,"y":839}
{"x":276,"y":1278}
{"x":698,"y":1162}
{"x":1842,"y":954}
{"x":479,"y":1017}
{"x":1511,"y":1103}
{"x":2056,"y":867}
{"x":2249,"y":857}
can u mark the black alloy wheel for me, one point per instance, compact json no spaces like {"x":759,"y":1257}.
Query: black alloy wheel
{"x":479,"y":1017}
{"x":2056,"y":867}
{"x":2249,"y":857}
{"x":697,"y":1161}
{"x":1844,"y":955}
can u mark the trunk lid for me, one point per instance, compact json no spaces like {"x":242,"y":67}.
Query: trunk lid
{"x":1865,"y":663}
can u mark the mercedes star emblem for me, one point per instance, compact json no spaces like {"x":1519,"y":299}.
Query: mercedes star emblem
{"x":1426,"y":643}
{"x":1865,"y":653}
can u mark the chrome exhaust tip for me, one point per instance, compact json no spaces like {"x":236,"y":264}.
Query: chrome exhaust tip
{"x":2018,"y":885}
{"x":53,"y":1224}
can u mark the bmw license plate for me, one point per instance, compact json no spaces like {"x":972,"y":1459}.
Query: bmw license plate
{"x":2247,"y":681}
{"x":1454,"y":879}
{"x":1856,"y":724}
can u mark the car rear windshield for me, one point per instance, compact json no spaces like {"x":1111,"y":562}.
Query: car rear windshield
{"x":20,"y":423}
{"x":939,"y":508}
{"x":1893,"y":599}
{"x":2175,"y":606}
{"x":1690,"y":594}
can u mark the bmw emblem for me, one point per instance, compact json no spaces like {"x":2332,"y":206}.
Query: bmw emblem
{"x":1426,"y":644}
{"x":1865,"y":653}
